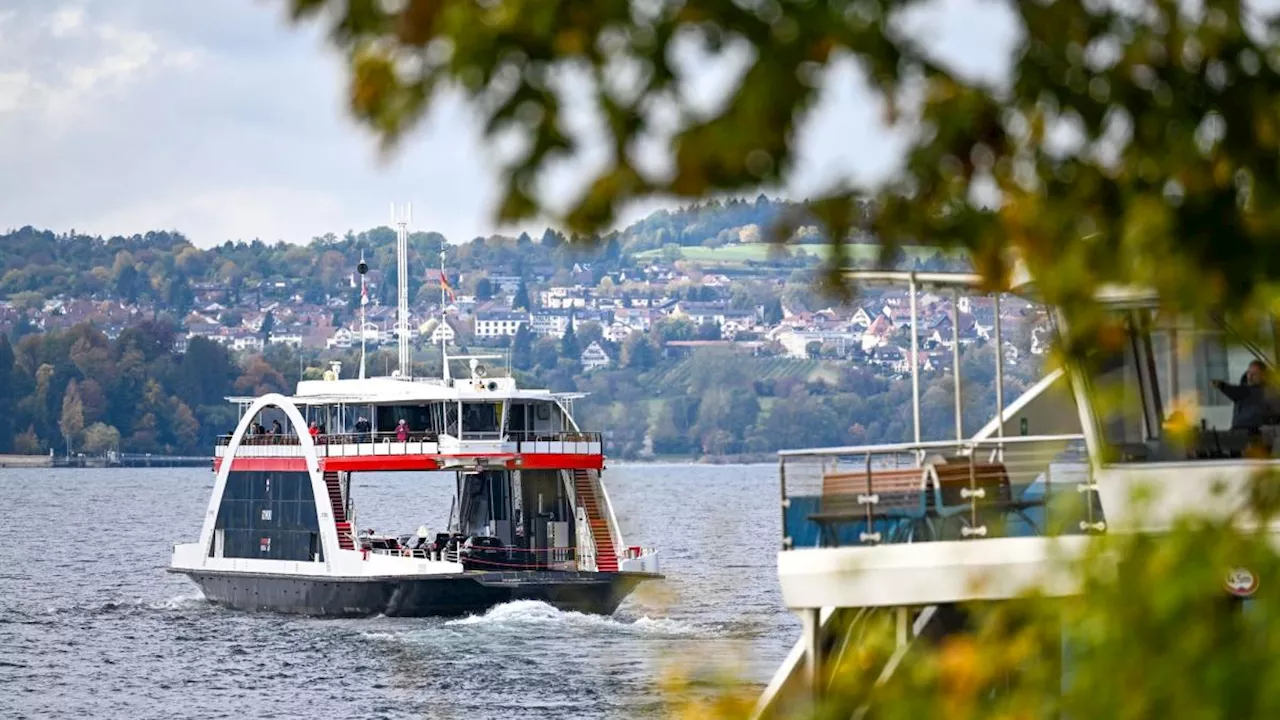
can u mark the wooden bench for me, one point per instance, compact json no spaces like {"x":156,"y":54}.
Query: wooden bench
{"x":899,"y":494}
{"x":896,"y":488}
{"x":953,"y":480}
{"x":961,"y":487}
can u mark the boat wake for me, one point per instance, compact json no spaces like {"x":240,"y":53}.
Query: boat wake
{"x":533,"y":613}
{"x":186,"y":601}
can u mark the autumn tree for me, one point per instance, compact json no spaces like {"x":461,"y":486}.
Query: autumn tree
{"x":71,"y":421}
{"x":99,"y":438}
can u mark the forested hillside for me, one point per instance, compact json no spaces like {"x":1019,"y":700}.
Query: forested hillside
{"x":144,"y":383}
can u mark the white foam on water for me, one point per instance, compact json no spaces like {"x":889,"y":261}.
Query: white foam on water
{"x":533,"y":613}
{"x":186,"y":601}
{"x":179,"y":602}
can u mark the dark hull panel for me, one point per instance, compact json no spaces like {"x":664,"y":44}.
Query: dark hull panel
{"x":417,"y":596}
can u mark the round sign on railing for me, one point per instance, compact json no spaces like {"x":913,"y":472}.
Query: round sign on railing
{"x":1241,"y":582}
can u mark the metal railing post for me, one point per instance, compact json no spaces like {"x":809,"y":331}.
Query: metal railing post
{"x":955,"y":362}
{"x":915,"y":361}
{"x":783,"y":503}
{"x":999,"y":379}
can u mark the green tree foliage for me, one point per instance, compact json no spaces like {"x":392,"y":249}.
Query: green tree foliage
{"x":522,"y":348}
{"x":707,"y":331}
{"x":1150,"y":633}
{"x":639,"y":352}
{"x":268,"y":324}
{"x":99,"y":438}
{"x":8,"y":393}
{"x":546,"y":353}
{"x":569,"y":347}
{"x":134,"y":393}
{"x":521,"y":299}
{"x":589,"y":332}
{"x":27,"y":442}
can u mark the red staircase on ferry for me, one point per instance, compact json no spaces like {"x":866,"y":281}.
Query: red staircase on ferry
{"x":606,"y":554}
{"x":334,"y":485}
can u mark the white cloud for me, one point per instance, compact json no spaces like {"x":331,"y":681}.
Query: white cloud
{"x":67,"y":22}
{"x":15,"y":86}
{"x":124,"y":56}
{"x":218,"y":119}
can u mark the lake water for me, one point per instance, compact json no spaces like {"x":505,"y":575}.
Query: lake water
{"x":92,"y":626}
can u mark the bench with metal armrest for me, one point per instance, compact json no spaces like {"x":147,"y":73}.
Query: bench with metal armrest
{"x":968,"y":493}
{"x":893,"y":498}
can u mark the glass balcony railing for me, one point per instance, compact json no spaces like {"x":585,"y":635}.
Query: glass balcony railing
{"x":415,"y":443}
{"x":923,"y":492}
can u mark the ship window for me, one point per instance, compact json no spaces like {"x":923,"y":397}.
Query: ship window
{"x":480,"y":417}
{"x":517,"y":422}
{"x":1153,"y":392}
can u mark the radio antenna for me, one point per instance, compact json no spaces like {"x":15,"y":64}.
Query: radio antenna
{"x":401,"y":218}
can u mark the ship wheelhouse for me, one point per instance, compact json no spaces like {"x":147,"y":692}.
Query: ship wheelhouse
{"x":914,"y":529}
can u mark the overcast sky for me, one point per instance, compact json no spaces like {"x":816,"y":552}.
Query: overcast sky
{"x":217,"y":119}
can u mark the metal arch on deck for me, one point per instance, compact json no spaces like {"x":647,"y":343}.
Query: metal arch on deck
{"x":309,"y":461}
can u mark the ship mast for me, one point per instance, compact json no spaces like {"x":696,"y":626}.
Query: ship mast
{"x":444,"y":341}
{"x":362,"y":268}
{"x":402,"y":220}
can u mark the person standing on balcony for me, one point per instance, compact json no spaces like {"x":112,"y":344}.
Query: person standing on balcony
{"x":402,"y":431}
{"x":1255,"y":403}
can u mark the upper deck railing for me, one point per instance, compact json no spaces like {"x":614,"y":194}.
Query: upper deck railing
{"x":416,"y":443}
{"x":929,"y":491}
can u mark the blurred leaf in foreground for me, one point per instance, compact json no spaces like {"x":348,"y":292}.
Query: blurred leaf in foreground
{"x":1153,"y":633}
{"x":1130,"y":142}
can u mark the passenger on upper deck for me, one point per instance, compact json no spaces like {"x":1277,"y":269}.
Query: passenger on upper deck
{"x":402,"y":431}
{"x":1255,"y":401}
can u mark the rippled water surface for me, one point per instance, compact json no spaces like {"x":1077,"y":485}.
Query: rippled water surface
{"x":92,"y":626}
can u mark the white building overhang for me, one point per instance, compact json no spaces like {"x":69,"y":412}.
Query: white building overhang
{"x":928,"y":573}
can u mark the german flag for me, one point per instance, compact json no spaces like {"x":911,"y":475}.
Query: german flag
{"x":448,"y":289}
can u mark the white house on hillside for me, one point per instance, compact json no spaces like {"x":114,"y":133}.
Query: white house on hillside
{"x":499,"y":323}
{"x":594,"y":357}
{"x":440,"y":331}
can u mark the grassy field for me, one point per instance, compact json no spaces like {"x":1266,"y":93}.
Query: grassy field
{"x":760,"y":252}
{"x":763,"y":368}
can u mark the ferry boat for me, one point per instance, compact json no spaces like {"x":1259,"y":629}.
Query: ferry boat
{"x":530,"y":517}
{"x":914,"y":533}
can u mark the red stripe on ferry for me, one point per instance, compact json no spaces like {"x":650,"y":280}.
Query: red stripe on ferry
{"x":255,"y":464}
{"x":366,"y":463}
{"x":557,"y":461}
